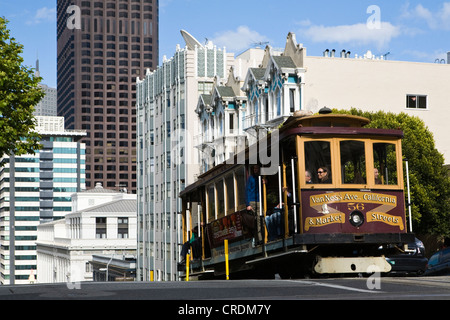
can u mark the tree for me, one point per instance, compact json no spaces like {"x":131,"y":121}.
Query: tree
{"x":429,"y":179}
{"x":19,"y":93}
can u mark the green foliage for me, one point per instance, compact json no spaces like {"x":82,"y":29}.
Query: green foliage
{"x":19,"y":93}
{"x":429,"y":179}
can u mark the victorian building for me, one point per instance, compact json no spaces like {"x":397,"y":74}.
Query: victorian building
{"x":289,"y":81}
{"x":221,"y":115}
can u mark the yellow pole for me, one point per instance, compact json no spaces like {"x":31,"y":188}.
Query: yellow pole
{"x":151,"y":275}
{"x":187,"y":267}
{"x":227,"y":267}
{"x":264,"y":212}
{"x":286,"y":212}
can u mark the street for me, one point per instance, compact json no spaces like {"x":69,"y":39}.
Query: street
{"x":384,"y":288}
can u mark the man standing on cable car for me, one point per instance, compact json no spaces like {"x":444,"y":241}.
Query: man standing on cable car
{"x":252,"y":200}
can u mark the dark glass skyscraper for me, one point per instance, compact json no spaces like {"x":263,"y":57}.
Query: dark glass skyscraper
{"x":103,"y":46}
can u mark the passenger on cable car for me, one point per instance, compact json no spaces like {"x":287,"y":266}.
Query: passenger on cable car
{"x":308,"y":177}
{"x":252,"y":190}
{"x":252,"y":203}
{"x":322,"y":174}
{"x":377,"y":176}
{"x":195,"y":242}
{"x":274,"y":221}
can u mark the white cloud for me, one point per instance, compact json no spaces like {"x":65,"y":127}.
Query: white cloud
{"x":444,"y":16}
{"x":435,"y":20}
{"x":43,"y":15}
{"x":356,"y":34}
{"x":237,"y":40}
{"x":304,"y":23}
{"x":418,"y":55}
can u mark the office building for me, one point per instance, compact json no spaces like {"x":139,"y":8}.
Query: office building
{"x":35,"y":189}
{"x":166,"y":101}
{"x":103,"y":46}
{"x":47,"y":107}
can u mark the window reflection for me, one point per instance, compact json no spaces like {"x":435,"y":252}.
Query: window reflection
{"x":229,"y":181}
{"x":318,"y":161}
{"x":385,"y":163}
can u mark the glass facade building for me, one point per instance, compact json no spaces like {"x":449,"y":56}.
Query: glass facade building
{"x":35,"y":189}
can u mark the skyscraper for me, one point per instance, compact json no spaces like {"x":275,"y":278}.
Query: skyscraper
{"x":103,"y":46}
{"x":35,"y":189}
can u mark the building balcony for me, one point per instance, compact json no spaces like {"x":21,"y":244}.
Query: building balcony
{"x":267,"y":120}
{"x":201,"y":141}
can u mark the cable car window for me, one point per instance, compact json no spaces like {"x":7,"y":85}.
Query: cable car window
{"x":229,"y":181}
{"x":220,"y":199}
{"x":211,"y":203}
{"x":240,"y":182}
{"x":353,"y":162}
{"x":274,"y":195}
{"x":318,"y":161}
{"x":385,"y":162}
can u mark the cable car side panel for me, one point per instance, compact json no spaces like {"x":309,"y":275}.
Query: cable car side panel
{"x":353,"y":211}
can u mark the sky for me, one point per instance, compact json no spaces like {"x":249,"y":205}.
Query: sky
{"x":406,"y":30}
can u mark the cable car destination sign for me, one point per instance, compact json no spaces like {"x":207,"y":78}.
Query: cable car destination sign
{"x":337,"y":207}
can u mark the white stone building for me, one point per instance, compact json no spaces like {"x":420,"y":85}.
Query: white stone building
{"x":104,"y":223}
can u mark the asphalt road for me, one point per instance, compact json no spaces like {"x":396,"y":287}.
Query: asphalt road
{"x":384,"y":288}
{"x":234,"y":299}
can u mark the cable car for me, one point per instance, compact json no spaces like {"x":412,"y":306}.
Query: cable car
{"x":328,"y":201}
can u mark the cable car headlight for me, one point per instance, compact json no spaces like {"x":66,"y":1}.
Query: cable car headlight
{"x":356,"y":218}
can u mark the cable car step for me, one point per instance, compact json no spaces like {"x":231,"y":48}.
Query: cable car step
{"x":276,"y":256}
{"x":351,"y":265}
